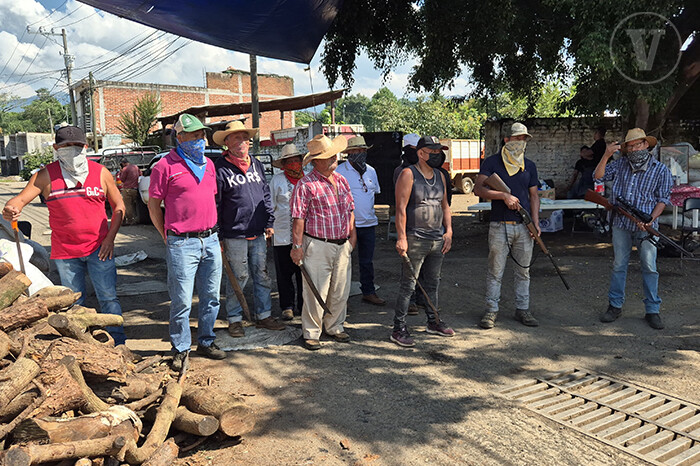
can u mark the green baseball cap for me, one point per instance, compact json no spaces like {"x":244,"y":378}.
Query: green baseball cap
{"x":187,"y":123}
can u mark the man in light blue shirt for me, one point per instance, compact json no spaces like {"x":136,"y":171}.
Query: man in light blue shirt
{"x":364,"y":185}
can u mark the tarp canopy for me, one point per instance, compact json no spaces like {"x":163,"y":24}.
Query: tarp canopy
{"x":284,"y":105}
{"x":283,"y":29}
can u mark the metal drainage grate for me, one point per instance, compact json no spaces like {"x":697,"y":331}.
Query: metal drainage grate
{"x":648,"y":424}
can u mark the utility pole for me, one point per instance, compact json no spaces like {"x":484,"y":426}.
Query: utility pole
{"x":255,"y":106}
{"x":68,"y":61}
{"x":93,"y":121}
{"x":50,"y":121}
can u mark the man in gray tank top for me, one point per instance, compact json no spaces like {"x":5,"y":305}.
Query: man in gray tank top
{"x":424,"y":228}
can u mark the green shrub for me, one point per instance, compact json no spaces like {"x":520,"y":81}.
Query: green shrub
{"x":34,"y":159}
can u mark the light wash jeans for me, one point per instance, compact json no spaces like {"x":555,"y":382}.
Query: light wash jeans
{"x":518,"y":237}
{"x":248,"y":257}
{"x":622,"y":241}
{"x":103,"y":275}
{"x":426,"y":257}
{"x":193,"y":261}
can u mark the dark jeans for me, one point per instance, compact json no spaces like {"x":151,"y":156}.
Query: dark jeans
{"x":426,"y":257}
{"x":286,"y":270}
{"x":365,"y":250}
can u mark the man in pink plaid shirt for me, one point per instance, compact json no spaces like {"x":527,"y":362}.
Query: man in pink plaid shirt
{"x":323,"y":237}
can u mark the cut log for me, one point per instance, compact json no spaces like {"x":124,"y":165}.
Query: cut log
{"x":63,"y":393}
{"x":19,"y":315}
{"x":161,"y":426}
{"x":57,"y":297}
{"x":137,"y":386}
{"x":234,"y":417}
{"x":165,"y":455}
{"x":12,"y":285}
{"x":103,"y":337}
{"x":148,"y":363}
{"x":5,"y":268}
{"x":15,"y":378}
{"x":192,"y":423}
{"x":97,"y":320}
{"x":93,"y":404}
{"x":81,"y":310}
{"x":9,"y":427}
{"x":18,"y":404}
{"x":5,"y":344}
{"x":97,"y":362}
{"x":67,"y":327}
{"x":91,"y":426}
{"x":35,"y":454}
{"x":83,"y":462}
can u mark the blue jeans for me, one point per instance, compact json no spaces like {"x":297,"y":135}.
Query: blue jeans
{"x":365,"y":250}
{"x":622,"y":241}
{"x":193,"y":261}
{"x":426,"y":257}
{"x":504,"y":237}
{"x":248,"y":257}
{"x":103,"y":275}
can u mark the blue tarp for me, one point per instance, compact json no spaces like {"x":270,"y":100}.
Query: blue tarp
{"x":283,"y":29}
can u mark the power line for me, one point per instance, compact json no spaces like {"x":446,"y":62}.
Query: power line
{"x":13,"y":51}
{"x":19,"y":62}
{"x":32,"y":62}
{"x":158,"y":63}
{"x":76,"y":22}
{"x":52,"y":12}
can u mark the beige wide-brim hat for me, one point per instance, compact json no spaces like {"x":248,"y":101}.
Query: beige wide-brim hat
{"x":519,"y":129}
{"x":323,"y":147}
{"x":288,"y":151}
{"x":357,"y":142}
{"x":635,"y":134}
{"x":233,"y":127}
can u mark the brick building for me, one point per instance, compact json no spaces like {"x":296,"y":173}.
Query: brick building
{"x":111,"y":99}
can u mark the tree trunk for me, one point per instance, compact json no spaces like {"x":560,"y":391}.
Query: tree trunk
{"x":63,"y":392}
{"x":5,"y":344}
{"x":11,"y":286}
{"x":5,"y":268}
{"x":234,"y":417}
{"x":19,"y":315}
{"x":18,"y":404}
{"x":137,"y":387}
{"x":34,"y":454}
{"x":189,"y":422}
{"x":641,"y":112}
{"x":67,"y":327}
{"x":165,"y":455}
{"x":93,"y":403}
{"x":97,"y":362}
{"x":57,"y":297}
{"x":15,"y":378}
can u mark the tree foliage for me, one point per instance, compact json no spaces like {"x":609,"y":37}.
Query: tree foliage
{"x":518,"y":46}
{"x":33,"y":160}
{"x":137,"y":123}
{"x":34,"y":116}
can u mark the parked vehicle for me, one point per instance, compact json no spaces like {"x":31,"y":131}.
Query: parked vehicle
{"x":463,"y":162}
{"x":139,"y":156}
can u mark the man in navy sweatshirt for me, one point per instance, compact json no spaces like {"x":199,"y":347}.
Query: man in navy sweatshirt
{"x":245,"y":222}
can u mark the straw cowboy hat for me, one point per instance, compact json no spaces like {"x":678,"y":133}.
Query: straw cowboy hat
{"x":233,"y":127}
{"x":357,"y":142}
{"x":288,"y":151}
{"x":638,"y":133}
{"x":323,"y":147}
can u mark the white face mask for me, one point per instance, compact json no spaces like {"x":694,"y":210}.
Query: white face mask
{"x":73,"y":162}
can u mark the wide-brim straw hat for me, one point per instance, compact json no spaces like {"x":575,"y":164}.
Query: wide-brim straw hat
{"x":323,"y":147}
{"x":357,"y":142}
{"x":288,"y":151}
{"x":635,"y":134}
{"x":233,"y":127}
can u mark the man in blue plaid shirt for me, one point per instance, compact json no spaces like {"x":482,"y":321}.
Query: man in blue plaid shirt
{"x":646,"y":184}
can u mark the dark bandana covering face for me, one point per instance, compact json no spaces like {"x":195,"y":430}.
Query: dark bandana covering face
{"x":639,"y":159}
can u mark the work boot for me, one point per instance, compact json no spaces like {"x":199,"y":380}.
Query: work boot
{"x":373,"y":299}
{"x":525,"y":317}
{"x":412,"y":309}
{"x":611,"y":314}
{"x":312,"y":345}
{"x":341,"y":337}
{"x":488,"y":320}
{"x":235,"y":329}
{"x":287,"y":314}
{"x":212,"y":351}
{"x":654,"y":321}
{"x":270,"y":324}
{"x":178,"y":360}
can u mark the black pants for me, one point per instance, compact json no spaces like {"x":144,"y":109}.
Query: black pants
{"x":286,"y":271}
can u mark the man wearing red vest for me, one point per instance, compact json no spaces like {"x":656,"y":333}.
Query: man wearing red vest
{"x":82,"y":240}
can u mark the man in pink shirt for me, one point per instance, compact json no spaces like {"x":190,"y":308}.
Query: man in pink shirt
{"x":323,"y":236}
{"x":129,"y":176}
{"x":185,"y":181}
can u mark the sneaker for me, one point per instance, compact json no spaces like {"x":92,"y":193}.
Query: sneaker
{"x":488,"y":320}
{"x":341,"y":337}
{"x":526,"y":318}
{"x":412,"y":310}
{"x":287,"y":314}
{"x":212,"y":351}
{"x":178,"y":360}
{"x":373,"y":299}
{"x":235,"y":329}
{"x":312,"y":345}
{"x":402,"y":338}
{"x":611,"y":314}
{"x":439,"y":328}
{"x":270,"y":324}
{"x":654,"y":321}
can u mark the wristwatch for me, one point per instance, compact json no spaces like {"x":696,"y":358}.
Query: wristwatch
{"x":296,"y":246}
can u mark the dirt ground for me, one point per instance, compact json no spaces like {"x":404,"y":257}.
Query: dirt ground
{"x":434,"y":403}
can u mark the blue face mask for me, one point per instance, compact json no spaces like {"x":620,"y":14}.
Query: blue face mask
{"x":192,"y":152}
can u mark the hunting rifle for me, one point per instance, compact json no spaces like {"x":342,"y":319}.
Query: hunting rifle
{"x":637,"y":216}
{"x":496,"y":183}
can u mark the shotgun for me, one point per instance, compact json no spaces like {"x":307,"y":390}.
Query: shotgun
{"x":496,"y":183}
{"x":627,"y":210}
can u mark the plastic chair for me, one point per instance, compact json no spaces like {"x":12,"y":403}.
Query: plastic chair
{"x":690,"y":205}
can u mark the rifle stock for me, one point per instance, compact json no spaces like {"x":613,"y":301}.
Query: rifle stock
{"x":497,"y":184}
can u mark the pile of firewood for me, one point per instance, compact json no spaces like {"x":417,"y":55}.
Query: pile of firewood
{"x":69,"y":396}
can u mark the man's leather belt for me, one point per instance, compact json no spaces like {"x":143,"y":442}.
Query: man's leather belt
{"x":509,"y":222}
{"x":332,"y":241}
{"x":195,"y":234}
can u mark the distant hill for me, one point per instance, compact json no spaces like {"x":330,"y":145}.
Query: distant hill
{"x":62,"y":97}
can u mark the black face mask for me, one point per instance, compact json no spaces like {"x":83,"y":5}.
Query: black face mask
{"x":436,"y":160}
{"x":410,"y":156}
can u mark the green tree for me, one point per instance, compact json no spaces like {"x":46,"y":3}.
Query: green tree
{"x":33,"y":160}
{"x":518,"y":46}
{"x":36,"y":114}
{"x":137,"y":123}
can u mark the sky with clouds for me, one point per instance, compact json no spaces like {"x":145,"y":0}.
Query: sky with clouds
{"x":30,"y":61}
